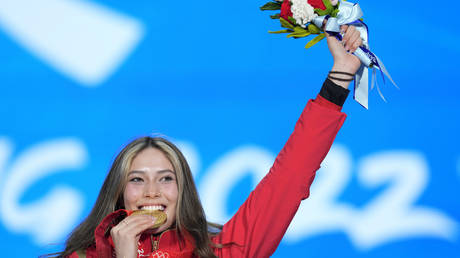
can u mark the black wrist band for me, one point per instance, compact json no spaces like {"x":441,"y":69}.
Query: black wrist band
{"x":340,"y":79}
{"x":344,"y":73}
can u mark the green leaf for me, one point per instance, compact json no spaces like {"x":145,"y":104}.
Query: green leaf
{"x":292,"y":20}
{"x":328,"y":4}
{"x":280,"y":31}
{"x":315,"y":40}
{"x":298,"y":29}
{"x":313,"y":29}
{"x":298,"y":34}
{"x":286,"y":24}
{"x":334,"y":12}
{"x":276,"y":16}
{"x":329,"y":8}
{"x":321,"y":12}
{"x":270,"y":6}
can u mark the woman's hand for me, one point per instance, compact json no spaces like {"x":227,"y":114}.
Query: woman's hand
{"x":344,"y":60}
{"x":126,"y":234}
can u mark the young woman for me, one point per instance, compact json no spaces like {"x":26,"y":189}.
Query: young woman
{"x":152,"y":174}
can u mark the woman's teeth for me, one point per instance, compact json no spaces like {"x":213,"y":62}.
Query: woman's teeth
{"x":153,"y":208}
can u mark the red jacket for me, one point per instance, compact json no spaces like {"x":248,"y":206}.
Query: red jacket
{"x":260,"y":223}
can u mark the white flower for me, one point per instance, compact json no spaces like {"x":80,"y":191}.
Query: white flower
{"x":334,"y":2}
{"x":302,"y":12}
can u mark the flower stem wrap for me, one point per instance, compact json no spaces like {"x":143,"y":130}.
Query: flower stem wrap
{"x":350,"y":14}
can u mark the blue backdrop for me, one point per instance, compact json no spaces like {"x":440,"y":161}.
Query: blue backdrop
{"x":79,"y":79}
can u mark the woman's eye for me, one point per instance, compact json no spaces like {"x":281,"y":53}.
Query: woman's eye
{"x":167,"y":179}
{"x":136,"y":179}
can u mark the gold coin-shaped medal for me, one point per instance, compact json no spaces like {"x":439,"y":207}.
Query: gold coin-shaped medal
{"x":160,"y":217}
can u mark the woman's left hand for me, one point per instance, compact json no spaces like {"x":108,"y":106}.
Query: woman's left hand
{"x":342,"y":51}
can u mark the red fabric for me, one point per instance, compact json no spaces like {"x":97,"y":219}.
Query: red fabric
{"x":260,"y":223}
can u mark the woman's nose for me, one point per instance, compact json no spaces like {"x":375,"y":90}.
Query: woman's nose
{"x":152,"y":190}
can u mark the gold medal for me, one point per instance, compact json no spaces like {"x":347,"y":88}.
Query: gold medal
{"x":160,"y":217}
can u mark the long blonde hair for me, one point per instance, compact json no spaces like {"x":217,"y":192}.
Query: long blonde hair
{"x":190,"y":216}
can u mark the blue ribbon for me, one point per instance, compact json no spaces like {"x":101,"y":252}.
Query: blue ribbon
{"x":350,"y":14}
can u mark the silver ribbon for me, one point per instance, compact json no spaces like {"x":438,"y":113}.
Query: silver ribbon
{"x":349,"y":14}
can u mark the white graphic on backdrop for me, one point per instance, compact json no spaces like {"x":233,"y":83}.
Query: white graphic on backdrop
{"x":321,"y":213}
{"x":390,"y":216}
{"x":50,"y":218}
{"x":393,"y":214}
{"x":225,"y":173}
{"x":82,"y":40}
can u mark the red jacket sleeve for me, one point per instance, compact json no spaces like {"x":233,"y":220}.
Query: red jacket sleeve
{"x":260,"y":223}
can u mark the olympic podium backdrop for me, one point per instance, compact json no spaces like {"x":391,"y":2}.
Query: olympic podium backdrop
{"x":79,"y":79}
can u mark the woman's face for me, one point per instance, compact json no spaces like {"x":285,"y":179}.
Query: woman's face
{"x":152,"y":185}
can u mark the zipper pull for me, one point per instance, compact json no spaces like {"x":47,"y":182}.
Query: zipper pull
{"x":155,"y":245}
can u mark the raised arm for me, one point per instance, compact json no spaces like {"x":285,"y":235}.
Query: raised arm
{"x":260,"y":223}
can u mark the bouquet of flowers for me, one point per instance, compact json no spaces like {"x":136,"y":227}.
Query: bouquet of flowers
{"x":302,"y":18}
{"x":297,"y":16}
